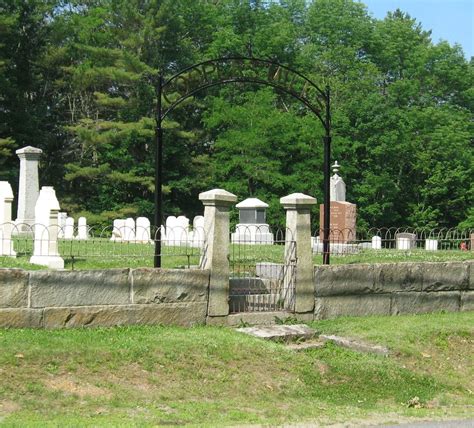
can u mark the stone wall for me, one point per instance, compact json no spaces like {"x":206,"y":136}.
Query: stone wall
{"x":392,"y":289}
{"x":57,"y":299}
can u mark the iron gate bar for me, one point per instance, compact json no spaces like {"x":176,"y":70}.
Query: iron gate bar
{"x":324,"y":115}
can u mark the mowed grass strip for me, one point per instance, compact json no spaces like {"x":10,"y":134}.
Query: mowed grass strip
{"x":215,"y":376}
{"x":101,"y":253}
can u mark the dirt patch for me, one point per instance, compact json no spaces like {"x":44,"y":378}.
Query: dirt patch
{"x":68,"y":385}
{"x":133,"y":376}
{"x":7,"y":407}
{"x":322,"y":367}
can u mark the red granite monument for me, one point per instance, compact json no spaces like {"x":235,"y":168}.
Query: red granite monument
{"x":343,"y":214}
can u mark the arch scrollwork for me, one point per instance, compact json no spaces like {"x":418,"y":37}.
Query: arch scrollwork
{"x":220,"y":71}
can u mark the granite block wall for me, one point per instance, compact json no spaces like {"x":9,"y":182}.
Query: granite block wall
{"x":392,"y":289}
{"x":58,"y":299}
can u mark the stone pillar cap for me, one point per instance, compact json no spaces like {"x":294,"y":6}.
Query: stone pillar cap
{"x":29,"y":149}
{"x":297,"y":200}
{"x":6,"y":191}
{"x":217,"y":197}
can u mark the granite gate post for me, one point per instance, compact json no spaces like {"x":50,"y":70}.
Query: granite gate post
{"x":298,"y":223}
{"x":217,"y":203}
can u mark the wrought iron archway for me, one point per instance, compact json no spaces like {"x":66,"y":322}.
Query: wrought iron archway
{"x":174,"y":90}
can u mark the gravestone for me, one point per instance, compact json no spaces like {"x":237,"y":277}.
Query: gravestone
{"x":405,"y":241}
{"x":431,"y":245}
{"x":28,"y":187}
{"x":129,"y":230}
{"x":198,"y":231}
{"x":82,"y":231}
{"x":252,"y":227}
{"x":143,"y":230}
{"x":170,"y":229}
{"x":342,"y":222}
{"x":181,"y":230}
{"x":6,"y":225}
{"x":45,"y":248}
{"x":118,"y":230}
{"x":69,"y":228}
{"x":343,"y":214}
{"x":337,"y":186}
{"x":376,"y":243}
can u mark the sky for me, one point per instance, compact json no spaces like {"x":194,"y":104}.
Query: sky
{"x":450,"y":20}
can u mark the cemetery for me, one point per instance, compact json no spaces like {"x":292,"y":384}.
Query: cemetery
{"x":267,"y":273}
{"x":235,"y":213}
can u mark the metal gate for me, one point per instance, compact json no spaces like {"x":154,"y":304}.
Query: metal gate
{"x":262,"y":271}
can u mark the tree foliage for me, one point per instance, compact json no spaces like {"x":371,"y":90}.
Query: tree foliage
{"x":77,"y":80}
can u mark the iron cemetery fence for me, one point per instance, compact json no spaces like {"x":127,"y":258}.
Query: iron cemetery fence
{"x":100,"y":247}
{"x":392,"y":239}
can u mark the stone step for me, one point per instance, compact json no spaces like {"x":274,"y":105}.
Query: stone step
{"x":355,"y":345}
{"x":286,"y":333}
{"x":256,"y":302}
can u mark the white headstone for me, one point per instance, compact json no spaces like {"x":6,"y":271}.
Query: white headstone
{"x":62,"y":216}
{"x":6,"y":225}
{"x":82,"y":231}
{"x":129,"y":230}
{"x":28,"y":188}
{"x":181,"y":230}
{"x":198,"y":231}
{"x":337,"y":185}
{"x":143,"y":230}
{"x":69,"y":228}
{"x":118,"y":230}
{"x":171,"y":224}
{"x":431,"y":245}
{"x":376,"y":243}
{"x":405,"y":241}
{"x":45,"y":250}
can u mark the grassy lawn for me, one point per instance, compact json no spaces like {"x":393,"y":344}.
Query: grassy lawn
{"x":210,"y":376}
{"x":101,"y":253}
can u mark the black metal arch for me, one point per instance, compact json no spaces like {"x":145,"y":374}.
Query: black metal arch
{"x":195,"y":78}
{"x":172,"y":106}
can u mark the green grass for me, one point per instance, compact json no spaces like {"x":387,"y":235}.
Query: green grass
{"x":152,"y":376}
{"x":395,"y":256}
{"x":101,"y":253}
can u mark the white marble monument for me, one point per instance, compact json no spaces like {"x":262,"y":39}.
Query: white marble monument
{"x":6,"y":225}
{"x":376,"y":243}
{"x":118,"y":230}
{"x":337,"y":185}
{"x":198,"y":231}
{"x":45,"y":249}
{"x":69,"y":228}
{"x":82,"y":231}
{"x":431,"y":245}
{"x":405,"y":241}
{"x":28,"y":188}
{"x":129,"y":230}
{"x":143,"y":230}
{"x":171,"y":224}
